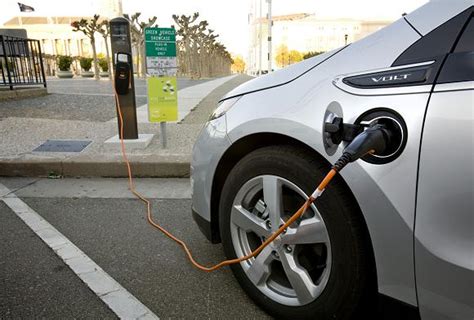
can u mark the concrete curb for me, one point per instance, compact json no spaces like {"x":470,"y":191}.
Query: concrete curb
{"x":23,"y":93}
{"x":156,"y":166}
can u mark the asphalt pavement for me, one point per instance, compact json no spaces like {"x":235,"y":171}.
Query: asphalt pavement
{"x":102,"y":218}
{"x":35,"y":282}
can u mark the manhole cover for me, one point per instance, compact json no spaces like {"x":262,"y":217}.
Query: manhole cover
{"x":63,"y":146}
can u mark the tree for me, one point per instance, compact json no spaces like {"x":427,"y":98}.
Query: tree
{"x":89,"y":28}
{"x":137,"y":30}
{"x":185,"y":32}
{"x":294,"y":56}
{"x":199,"y":54}
{"x":104,"y":30}
{"x":238,"y":65}
{"x":281,"y":56}
{"x":285,"y":57}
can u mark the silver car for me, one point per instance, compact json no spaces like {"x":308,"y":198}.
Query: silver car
{"x":393,"y":234}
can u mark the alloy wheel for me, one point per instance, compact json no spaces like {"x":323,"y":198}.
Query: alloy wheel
{"x":294,"y":269}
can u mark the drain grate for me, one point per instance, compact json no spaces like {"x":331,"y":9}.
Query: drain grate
{"x":63,"y":146}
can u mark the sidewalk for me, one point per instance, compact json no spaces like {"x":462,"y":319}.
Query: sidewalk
{"x":20,"y":135}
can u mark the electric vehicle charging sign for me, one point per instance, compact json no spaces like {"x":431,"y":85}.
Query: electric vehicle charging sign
{"x":162,"y":99}
{"x":161,"y":69}
{"x":160,"y":49}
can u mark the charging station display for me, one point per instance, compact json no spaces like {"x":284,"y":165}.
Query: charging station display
{"x":161,"y":69}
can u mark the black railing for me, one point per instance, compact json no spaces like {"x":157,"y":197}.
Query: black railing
{"x":21,"y":62}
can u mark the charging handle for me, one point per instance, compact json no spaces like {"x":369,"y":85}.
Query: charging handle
{"x":122,"y":73}
{"x":339,"y":131}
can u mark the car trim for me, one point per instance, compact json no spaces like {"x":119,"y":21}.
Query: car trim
{"x":409,"y":89}
{"x":204,"y":226}
{"x":454,"y":86}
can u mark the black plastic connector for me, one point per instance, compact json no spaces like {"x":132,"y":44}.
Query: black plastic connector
{"x":373,"y":140}
{"x":340,"y":131}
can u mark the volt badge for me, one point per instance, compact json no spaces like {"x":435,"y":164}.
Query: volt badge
{"x":394,"y":78}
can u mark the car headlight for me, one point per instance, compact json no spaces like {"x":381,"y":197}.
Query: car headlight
{"x":223,"y":107}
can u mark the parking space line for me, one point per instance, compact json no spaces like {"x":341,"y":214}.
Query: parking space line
{"x":116,"y":297}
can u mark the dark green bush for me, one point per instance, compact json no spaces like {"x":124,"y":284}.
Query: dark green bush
{"x":311,"y":54}
{"x":64,"y":63}
{"x":86,"y":63}
{"x":103,"y":64}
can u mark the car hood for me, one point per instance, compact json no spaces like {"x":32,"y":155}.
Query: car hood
{"x":280,"y":77}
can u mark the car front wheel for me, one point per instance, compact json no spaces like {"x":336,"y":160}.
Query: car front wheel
{"x":320,"y":267}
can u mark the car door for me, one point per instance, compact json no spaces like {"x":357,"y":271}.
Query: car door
{"x":444,"y":231}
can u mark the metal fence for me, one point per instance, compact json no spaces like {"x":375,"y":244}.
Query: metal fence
{"x":21,"y":62}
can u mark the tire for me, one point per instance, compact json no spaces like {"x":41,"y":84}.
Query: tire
{"x":333,"y":278}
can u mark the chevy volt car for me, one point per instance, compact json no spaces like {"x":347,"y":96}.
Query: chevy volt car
{"x":394,"y":232}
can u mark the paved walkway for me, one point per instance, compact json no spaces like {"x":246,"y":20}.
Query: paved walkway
{"x":24,"y":131}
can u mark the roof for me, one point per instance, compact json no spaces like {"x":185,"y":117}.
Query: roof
{"x":308,"y":16}
{"x":31,"y":20}
{"x":287,"y":17}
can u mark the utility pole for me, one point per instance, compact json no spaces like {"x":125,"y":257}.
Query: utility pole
{"x":260,"y":39}
{"x":270,"y":25}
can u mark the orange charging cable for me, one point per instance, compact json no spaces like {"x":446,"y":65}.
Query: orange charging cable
{"x":196,"y":264}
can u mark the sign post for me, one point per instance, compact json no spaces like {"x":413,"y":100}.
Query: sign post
{"x":161,"y":66}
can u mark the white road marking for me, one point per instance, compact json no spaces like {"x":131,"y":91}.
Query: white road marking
{"x":117,"y":298}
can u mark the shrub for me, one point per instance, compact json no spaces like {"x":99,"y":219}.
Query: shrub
{"x":86,"y":63}
{"x":311,"y":54}
{"x":103,"y":64}
{"x":64,"y":63}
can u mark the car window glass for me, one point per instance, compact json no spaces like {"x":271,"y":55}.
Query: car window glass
{"x":459,"y":65}
{"x":436,"y":46}
{"x":466,"y":42}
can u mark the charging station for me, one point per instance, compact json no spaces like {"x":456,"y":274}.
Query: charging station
{"x":123,"y":76}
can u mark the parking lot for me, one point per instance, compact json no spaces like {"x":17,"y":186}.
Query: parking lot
{"x":104,"y":221}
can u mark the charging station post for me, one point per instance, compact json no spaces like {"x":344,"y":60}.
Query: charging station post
{"x":161,"y":66}
{"x":123,"y":79}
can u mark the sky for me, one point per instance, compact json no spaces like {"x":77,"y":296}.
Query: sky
{"x":229,"y":19}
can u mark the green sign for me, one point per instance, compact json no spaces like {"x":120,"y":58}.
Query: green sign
{"x":161,"y":65}
{"x":160,"y":42}
{"x":160,"y":49}
{"x":162,"y":99}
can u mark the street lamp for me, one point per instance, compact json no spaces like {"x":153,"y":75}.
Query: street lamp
{"x":270,"y":24}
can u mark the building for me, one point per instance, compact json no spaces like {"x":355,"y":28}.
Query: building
{"x":303,"y":32}
{"x":110,"y":8}
{"x":57,"y":36}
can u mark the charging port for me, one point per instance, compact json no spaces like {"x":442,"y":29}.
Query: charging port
{"x":394,"y":124}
